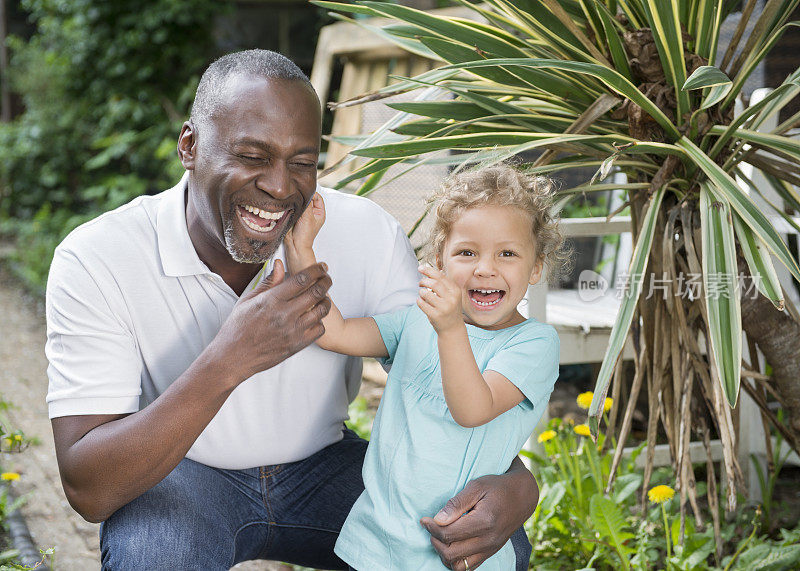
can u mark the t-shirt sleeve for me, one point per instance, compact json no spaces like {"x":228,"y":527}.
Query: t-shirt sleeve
{"x":530,"y":360}
{"x":94,"y":366}
{"x":401,"y":281}
{"x":391,"y":327}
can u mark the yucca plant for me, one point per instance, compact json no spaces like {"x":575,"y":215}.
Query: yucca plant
{"x":637,"y":87}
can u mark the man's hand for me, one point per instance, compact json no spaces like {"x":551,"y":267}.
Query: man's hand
{"x":440,"y":299}
{"x":299,"y":239}
{"x":479,"y":520}
{"x":274,"y":320}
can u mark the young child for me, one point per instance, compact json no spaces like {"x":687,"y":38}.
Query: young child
{"x":470,"y":376}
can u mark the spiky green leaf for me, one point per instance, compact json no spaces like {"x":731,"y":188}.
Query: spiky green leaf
{"x":721,"y":292}
{"x":619,"y":332}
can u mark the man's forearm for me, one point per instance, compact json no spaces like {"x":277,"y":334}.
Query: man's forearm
{"x":112,"y":463}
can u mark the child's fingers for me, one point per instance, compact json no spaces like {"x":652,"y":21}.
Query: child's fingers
{"x":431,"y":272}
{"x":318,"y":206}
{"x":426,"y":307}
{"x":430,"y":296}
{"x":434,"y":285}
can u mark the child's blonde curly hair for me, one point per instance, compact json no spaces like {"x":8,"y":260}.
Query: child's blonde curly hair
{"x":500,"y":185}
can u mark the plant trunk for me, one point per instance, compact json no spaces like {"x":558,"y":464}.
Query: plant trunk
{"x":778,"y":337}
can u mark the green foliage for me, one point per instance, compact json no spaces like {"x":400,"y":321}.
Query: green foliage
{"x":611,"y":526}
{"x":361,"y":418}
{"x":106,"y":86}
{"x":578,"y":526}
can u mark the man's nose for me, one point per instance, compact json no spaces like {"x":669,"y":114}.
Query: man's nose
{"x":274,"y":180}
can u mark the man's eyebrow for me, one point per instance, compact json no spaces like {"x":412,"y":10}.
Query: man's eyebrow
{"x":250,"y":142}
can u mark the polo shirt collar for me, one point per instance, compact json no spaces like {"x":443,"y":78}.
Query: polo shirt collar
{"x":178,"y":256}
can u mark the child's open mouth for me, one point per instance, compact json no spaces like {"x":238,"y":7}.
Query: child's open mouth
{"x":486,"y":298}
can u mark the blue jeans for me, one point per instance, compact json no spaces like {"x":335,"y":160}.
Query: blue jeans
{"x":206,"y":518}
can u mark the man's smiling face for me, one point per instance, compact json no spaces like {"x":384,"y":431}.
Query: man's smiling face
{"x":253,"y":168}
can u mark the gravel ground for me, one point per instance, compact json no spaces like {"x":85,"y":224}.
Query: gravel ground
{"x":23,"y":379}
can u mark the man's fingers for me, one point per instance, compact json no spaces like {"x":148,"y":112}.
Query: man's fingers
{"x":274,"y":278}
{"x":464,"y":528}
{"x":312,"y":295}
{"x":459,"y":504}
{"x":454,"y":554}
{"x":314,"y":315}
{"x":302,"y":281}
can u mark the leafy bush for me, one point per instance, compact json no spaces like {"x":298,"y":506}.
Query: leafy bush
{"x":578,"y":526}
{"x":106,"y":86}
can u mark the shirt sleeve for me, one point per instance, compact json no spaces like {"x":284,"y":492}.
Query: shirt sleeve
{"x":401,"y":285}
{"x":94,"y":365}
{"x":391,"y":327}
{"x":530,"y":360}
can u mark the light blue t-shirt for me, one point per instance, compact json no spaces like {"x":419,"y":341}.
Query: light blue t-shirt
{"x":419,"y":457}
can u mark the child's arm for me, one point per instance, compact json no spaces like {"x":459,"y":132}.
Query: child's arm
{"x":359,"y":337}
{"x":473,"y":398}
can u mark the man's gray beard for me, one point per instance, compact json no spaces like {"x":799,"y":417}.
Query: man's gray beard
{"x":254,"y":257}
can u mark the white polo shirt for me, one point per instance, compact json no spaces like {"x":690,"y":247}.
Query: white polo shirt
{"x":130,"y":306}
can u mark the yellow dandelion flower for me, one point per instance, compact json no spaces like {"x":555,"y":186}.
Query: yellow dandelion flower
{"x":9,"y":476}
{"x":547,"y":435}
{"x":582,"y":429}
{"x":585,"y":399}
{"x":609,"y":402}
{"x":13,"y":439}
{"x":660,"y":494}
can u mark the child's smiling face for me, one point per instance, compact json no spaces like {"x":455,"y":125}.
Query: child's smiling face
{"x":490,"y":254}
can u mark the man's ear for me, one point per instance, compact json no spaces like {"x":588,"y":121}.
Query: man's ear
{"x":187,"y":145}
{"x":536,"y":274}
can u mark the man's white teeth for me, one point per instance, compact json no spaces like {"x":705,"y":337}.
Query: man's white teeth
{"x":270,"y":225}
{"x":263,"y":213}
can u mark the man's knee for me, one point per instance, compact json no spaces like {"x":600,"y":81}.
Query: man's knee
{"x":168,"y":527}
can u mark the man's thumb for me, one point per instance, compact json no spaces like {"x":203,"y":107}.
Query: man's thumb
{"x":275,"y":277}
{"x":454,"y":508}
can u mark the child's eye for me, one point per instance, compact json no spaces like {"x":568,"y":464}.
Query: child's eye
{"x":507,"y":253}
{"x":465,"y":253}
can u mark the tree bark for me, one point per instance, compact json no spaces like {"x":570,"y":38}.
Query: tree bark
{"x":778,"y":337}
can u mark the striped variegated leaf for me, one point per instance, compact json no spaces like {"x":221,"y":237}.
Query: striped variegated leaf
{"x":720,"y":289}
{"x":759,"y":261}
{"x":619,"y":332}
{"x":710,"y":77}
{"x":743,"y":205}
{"x":612,"y":79}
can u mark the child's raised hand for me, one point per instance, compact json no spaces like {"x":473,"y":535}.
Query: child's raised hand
{"x":300,"y":238}
{"x":440,"y":299}
{"x":301,"y":235}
